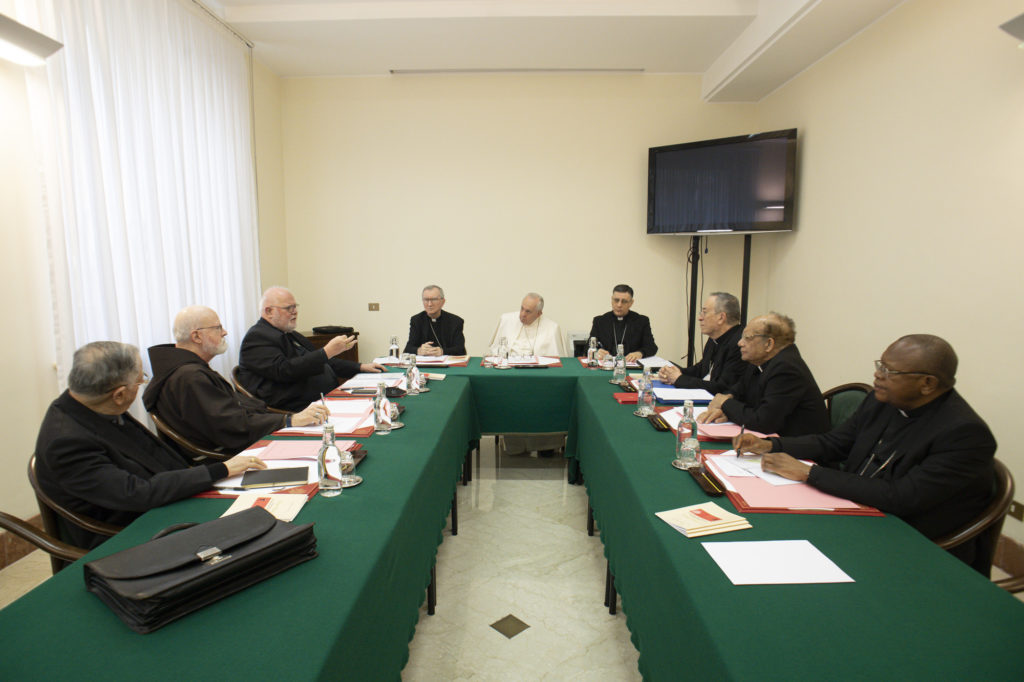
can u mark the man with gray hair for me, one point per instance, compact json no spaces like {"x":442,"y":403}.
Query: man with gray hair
{"x":435,"y":331}
{"x":199,"y":403}
{"x":94,"y":458}
{"x":528,"y":332}
{"x":720,"y":365}
{"x":281,"y":367}
{"x":776,"y":394}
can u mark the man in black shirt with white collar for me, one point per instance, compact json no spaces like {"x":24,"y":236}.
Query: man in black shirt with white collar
{"x":435,"y":331}
{"x":622,"y":325}
{"x":914,"y":448}
{"x":777,"y":392}
{"x":721,"y":364}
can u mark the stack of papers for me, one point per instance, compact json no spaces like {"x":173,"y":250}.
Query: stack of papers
{"x":681,"y":395}
{"x":370,"y":380}
{"x":706,"y":518}
{"x":284,"y":506}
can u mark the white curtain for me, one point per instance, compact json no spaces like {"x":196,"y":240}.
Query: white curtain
{"x":144,"y":124}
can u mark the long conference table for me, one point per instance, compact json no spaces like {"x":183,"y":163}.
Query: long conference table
{"x":913,"y":612}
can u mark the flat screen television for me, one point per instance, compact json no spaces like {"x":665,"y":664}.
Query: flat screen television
{"x":741,"y":184}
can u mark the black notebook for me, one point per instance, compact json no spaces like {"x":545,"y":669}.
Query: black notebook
{"x":265,"y":478}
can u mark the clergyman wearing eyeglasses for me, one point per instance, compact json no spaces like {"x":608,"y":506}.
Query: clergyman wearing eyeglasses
{"x":435,"y":331}
{"x":914,"y":448}
{"x":281,"y":367}
{"x":776,"y":392}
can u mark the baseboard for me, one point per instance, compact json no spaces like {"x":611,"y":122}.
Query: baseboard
{"x":13,"y":548}
{"x":1009,"y":556}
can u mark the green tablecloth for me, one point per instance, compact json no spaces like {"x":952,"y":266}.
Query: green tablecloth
{"x":349,"y":613}
{"x":914,"y":612}
{"x":523,"y":400}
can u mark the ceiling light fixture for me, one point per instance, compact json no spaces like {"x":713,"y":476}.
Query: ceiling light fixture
{"x":22,"y":45}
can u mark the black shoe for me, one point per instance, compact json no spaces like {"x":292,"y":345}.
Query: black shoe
{"x":546,"y":453}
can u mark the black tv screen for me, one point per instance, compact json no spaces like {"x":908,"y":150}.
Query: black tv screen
{"x":732,"y":184}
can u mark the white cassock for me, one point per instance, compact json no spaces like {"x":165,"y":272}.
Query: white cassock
{"x":543,"y":337}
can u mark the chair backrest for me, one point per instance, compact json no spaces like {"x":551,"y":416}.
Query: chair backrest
{"x":49,"y":511}
{"x":248,"y":394}
{"x":238,"y":384}
{"x":987,"y":526}
{"x":843,"y":400}
{"x":61,"y":553}
{"x":187,"y":447}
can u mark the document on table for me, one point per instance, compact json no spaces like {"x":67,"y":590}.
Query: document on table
{"x":733,"y":466}
{"x":679,"y":395}
{"x":341,"y":423}
{"x":370,"y":380}
{"x":284,"y":506}
{"x":295,"y":449}
{"x":654,"y":362}
{"x":675,"y":415}
{"x":235,"y":482}
{"x":775,"y":562}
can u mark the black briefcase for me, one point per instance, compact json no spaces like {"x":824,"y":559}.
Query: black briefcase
{"x":180,"y":571}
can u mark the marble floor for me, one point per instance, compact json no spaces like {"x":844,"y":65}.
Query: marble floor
{"x":522,"y":550}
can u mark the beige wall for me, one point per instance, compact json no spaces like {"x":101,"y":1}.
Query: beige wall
{"x":27,"y":348}
{"x":489,"y":186}
{"x":908,"y":217}
{"x":911,"y":203}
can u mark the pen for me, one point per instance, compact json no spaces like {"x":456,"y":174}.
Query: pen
{"x":324,"y":403}
{"x":739,"y":438}
{"x":712,"y":483}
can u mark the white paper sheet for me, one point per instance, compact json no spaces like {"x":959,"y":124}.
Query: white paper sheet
{"x":678,"y":395}
{"x":235,"y":482}
{"x":675,"y":415}
{"x":654,"y":362}
{"x":751,"y":466}
{"x":774,"y":562}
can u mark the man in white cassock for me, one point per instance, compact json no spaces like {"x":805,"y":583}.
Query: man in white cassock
{"x":530,"y":333}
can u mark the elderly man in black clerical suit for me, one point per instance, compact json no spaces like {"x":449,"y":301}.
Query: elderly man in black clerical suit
{"x":721,"y":365}
{"x":622,"y":325}
{"x":435,"y":331}
{"x":93,"y":458}
{"x":776,"y":392}
{"x":199,"y":403}
{"x":281,"y":367}
{"x":914,"y":448}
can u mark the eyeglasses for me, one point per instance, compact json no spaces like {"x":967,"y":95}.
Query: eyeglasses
{"x":880,"y":368}
{"x":290,"y":308}
{"x":432,"y":300}
{"x":145,"y":380}
{"x":218,"y":327}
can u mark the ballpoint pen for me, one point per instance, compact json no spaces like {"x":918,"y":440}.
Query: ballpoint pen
{"x":324,"y":403}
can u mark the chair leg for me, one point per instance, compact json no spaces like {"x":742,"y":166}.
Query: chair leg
{"x":432,"y":591}
{"x":590,"y":520}
{"x":607,"y":584}
{"x":455,"y":512}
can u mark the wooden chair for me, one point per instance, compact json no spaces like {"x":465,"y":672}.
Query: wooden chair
{"x":187,"y":447}
{"x":986,"y":529}
{"x":49,"y":511}
{"x":248,"y":394}
{"x":60,"y":552}
{"x":843,"y":400}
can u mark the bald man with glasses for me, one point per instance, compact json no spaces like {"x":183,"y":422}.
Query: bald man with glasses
{"x":914,"y":448}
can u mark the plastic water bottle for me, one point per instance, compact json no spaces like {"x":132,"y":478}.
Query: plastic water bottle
{"x":328,"y":464}
{"x":393,"y":348}
{"x":687,"y":445}
{"x":619,"y":372}
{"x":592,"y":352}
{"x":645,"y":401}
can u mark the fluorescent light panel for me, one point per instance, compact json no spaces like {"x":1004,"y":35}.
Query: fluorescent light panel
{"x":22,"y":45}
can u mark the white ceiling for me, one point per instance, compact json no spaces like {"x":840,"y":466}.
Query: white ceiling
{"x":743,"y":49}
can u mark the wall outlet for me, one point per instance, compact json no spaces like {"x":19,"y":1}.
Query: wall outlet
{"x":1016,"y":510}
{"x":374,"y":307}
